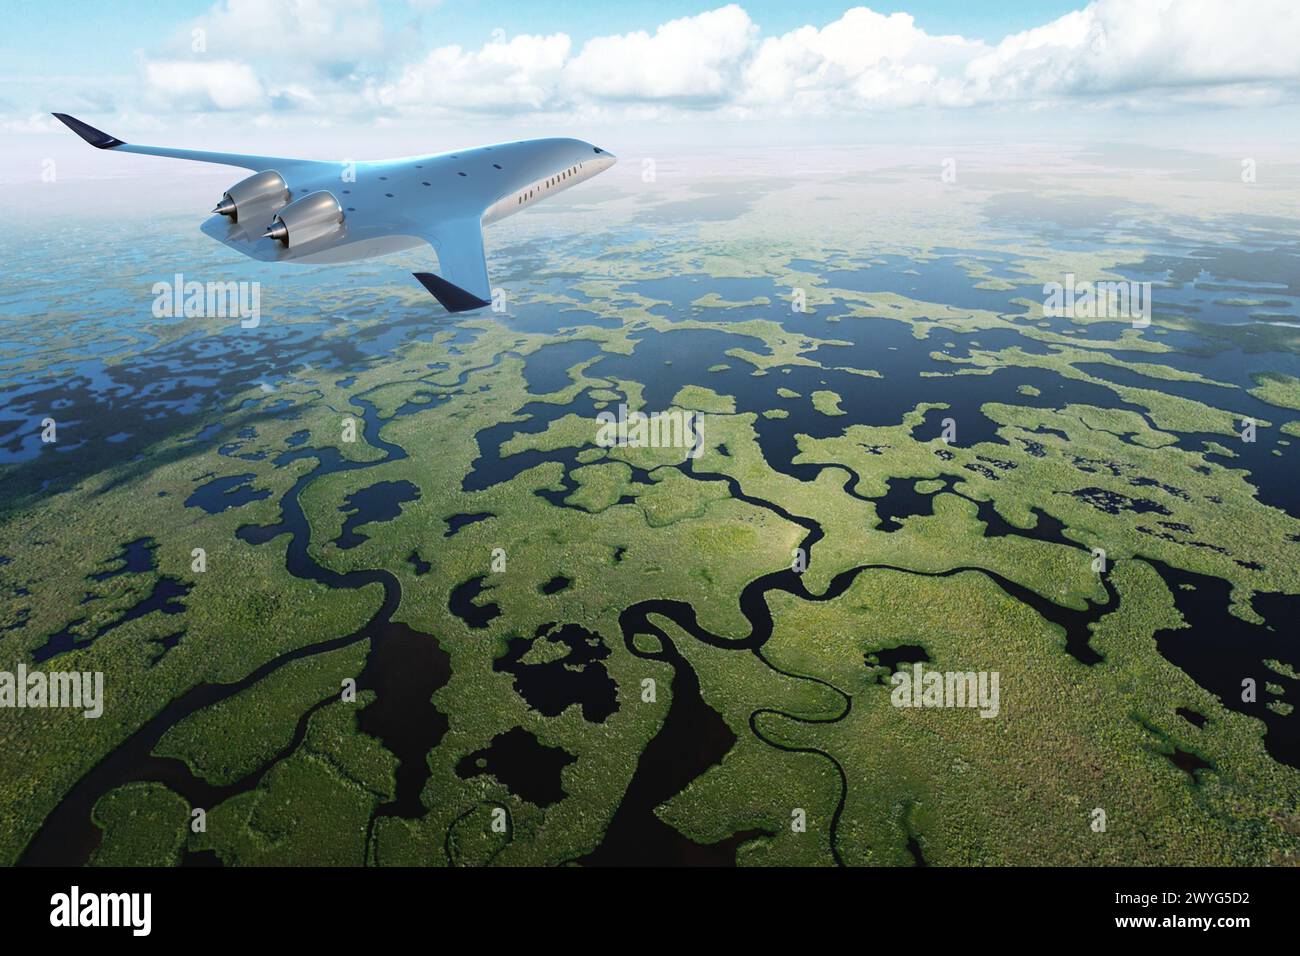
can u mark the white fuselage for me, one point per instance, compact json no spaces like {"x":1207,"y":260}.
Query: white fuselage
{"x":555,"y":182}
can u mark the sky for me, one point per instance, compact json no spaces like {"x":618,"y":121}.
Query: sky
{"x":393,"y":72}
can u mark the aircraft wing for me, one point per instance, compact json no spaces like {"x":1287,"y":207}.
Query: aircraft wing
{"x":102,"y":140}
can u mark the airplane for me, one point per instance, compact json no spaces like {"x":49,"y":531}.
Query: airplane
{"x":308,"y":211}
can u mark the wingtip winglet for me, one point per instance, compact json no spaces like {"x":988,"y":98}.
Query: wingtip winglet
{"x":96,"y":138}
{"x":452,"y":297}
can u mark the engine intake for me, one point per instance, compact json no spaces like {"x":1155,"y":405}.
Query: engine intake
{"x":266,"y":189}
{"x":314,"y":216}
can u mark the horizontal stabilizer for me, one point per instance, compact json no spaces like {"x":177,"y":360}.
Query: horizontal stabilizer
{"x":96,"y":138}
{"x":452,"y":297}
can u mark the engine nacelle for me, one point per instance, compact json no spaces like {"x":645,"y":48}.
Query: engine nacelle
{"x":266,"y":192}
{"x":314,"y":216}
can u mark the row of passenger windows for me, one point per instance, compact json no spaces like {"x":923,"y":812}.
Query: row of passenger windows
{"x":554,"y":180}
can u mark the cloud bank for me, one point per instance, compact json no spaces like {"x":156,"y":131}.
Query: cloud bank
{"x":335,"y":59}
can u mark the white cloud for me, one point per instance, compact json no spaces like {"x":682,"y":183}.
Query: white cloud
{"x":693,"y":60}
{"x":217,"y":84}
{"x":297,"y":55}
{"x":1111,"y":48}
{"x":324,"y":33}
{"x":521,"y":73}
{"x":335,"y":59}
{"x":864,"y":59}
{"x":32,"y":123}
{"x":1124,"y":46}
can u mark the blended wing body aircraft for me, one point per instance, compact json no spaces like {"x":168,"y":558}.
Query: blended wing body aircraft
{"x":308,"y":211}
